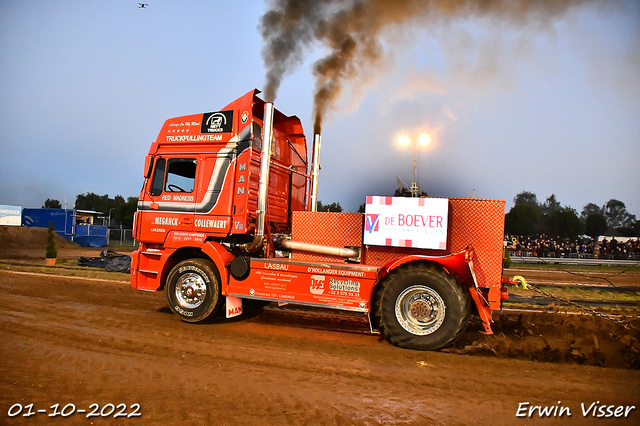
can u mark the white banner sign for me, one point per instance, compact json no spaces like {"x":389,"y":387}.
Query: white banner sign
{"x":11,"y":215}
{"x":406,"y":222}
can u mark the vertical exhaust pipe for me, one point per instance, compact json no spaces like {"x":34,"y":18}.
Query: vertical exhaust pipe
{"x":263,"y":185}
{"x":317,"y":140}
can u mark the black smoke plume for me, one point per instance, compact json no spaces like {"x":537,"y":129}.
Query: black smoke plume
{"x":352,"y":31}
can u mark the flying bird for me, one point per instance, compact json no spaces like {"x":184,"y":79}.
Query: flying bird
{"x":143,"y":5}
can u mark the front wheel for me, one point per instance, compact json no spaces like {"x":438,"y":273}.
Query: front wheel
{"x":420,"y":306}
{"x":193,"y":290}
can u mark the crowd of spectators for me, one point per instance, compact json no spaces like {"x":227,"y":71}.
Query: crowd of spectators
{"x":579,"y":247}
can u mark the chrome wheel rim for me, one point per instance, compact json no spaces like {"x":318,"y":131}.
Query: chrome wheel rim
{"x":191,"y":290}
{"x":420,"y":310}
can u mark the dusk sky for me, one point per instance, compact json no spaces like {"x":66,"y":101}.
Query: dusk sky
{"x":546,"y":103}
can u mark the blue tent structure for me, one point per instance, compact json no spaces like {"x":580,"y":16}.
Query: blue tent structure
{"x":74,"y":225}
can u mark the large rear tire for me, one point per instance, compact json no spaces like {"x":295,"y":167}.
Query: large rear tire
{"x":193,"y":290}
{"x":420,"y":306}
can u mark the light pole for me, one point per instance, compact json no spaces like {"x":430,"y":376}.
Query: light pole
{"x":423,"y":140}
{"x":109,"y":226}
{"x":112,"y":208}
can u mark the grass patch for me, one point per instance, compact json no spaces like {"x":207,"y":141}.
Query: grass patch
{"x":68,"y":268}
{"x":573,"y":293}
{"x":576,"y":268}
{"x":626,"y":311}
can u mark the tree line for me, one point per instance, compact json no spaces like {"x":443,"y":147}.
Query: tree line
{"x":119,"y":210}
{"x":123,"y":211}
{"x":530,"y":217}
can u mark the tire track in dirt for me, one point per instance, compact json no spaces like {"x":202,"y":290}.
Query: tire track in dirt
{"x":76,"y":341}
{"x":84,"y":328}
{"x":629,"y":277}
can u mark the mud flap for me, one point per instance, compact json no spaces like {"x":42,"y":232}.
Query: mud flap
{"x":234,"y":306}
{"x":484,"y":311}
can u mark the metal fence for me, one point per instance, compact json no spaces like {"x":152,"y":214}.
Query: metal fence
{"x":553,"y":255}
{"x":527,"y":257}
{"x":121,"y":237}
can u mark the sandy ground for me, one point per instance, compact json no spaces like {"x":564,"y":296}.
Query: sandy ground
{"x":77,"y":342}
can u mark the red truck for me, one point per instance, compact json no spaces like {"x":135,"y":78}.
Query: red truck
{"x":225,"y":217}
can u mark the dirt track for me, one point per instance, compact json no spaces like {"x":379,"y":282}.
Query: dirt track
{"x":82,"y":342}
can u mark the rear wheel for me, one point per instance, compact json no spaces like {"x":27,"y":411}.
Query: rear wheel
{"x":420,"y":306}
{"x":193,"y":290}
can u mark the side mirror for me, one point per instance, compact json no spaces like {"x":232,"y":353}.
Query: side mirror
{"x":148,"y":165}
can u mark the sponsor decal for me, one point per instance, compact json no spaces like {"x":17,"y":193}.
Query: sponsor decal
{"x":418,"y":220}
{"x":233,"y":306}
{"x":182,"y":127}
{"x":217,"y":122}
{"x":286,"y":296}
{"x":210,"y":223}
{"x":167,"y":197}
{"x":189,"y":236}
{"x":234,"y":311}
{"x":329,"y":271}
{"x":184,"y":123}
{"x":159,"y":220}
{"x":278,"y":266}
{"x":183,"y":198}
{"x":317,"y":284}
{"x":372,"y":222}
{"x":10,"y":215}
{"x":194,"y":138}
{"x":286,"y":277}
{"x":344,"y":285}
{"x":406,"y":222}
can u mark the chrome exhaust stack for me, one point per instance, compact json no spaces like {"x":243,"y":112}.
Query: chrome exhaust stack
{"x":263,"y":185}
{"x":317,"y":141}
{"x":351,"y":253}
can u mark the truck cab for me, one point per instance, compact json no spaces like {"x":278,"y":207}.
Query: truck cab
{"x":202,"y":173}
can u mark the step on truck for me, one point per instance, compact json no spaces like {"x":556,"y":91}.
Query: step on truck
{"x":227,"y":215}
